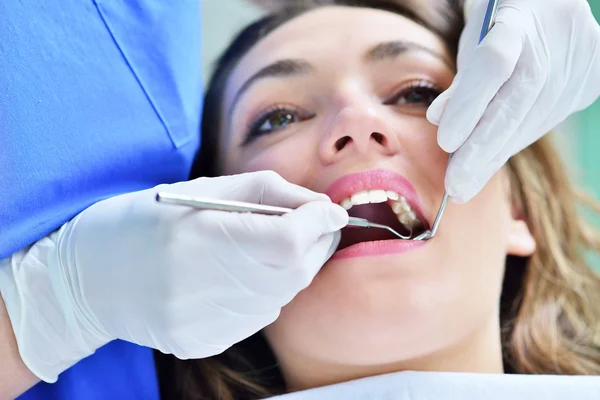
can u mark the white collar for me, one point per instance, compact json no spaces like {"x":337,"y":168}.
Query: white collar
{"x":456,"y":386}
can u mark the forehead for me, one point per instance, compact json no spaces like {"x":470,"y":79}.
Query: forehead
{"x":330,"y":35}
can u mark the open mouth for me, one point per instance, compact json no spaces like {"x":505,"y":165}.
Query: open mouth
{"x":384,"y":207}
{"x":381,"y":196}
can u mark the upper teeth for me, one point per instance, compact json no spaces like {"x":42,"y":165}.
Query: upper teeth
{"x":400,"y":206}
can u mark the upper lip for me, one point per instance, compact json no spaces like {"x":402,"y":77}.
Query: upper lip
{"x":384,"y":179}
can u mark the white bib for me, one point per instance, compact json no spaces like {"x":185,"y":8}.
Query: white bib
{"x":456,"y":386}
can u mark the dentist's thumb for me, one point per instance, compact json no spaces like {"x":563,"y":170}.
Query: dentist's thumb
{"x":318,"y":226}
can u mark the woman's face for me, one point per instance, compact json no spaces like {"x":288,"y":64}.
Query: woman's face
{"x":335,"y":101}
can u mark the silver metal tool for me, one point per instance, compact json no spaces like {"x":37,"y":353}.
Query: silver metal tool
{"x":488,"y":22}
{"x":239,"y":206}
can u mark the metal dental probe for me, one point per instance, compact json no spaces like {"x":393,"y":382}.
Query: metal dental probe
{"x":239,"y":206}
{"x":488,"y":22}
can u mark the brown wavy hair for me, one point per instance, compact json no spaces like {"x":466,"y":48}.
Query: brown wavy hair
{"x":550,"y":302}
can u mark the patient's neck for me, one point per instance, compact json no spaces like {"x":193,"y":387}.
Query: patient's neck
{"x":479,"y":353}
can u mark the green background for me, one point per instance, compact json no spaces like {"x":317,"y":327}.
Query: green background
{"x":587,"y":125}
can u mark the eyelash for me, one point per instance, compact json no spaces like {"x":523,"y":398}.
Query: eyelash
{"x":420,"y":84}
{"x":264,"y":116}
{"x":299,"y":115}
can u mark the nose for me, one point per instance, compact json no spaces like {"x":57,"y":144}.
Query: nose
{"x":356,"y":131}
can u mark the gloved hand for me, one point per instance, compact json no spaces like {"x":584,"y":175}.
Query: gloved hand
{"x":538,"y":64}
{"x":183,"y":281}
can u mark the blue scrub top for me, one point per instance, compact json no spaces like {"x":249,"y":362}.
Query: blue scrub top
{"x":97,"y":98}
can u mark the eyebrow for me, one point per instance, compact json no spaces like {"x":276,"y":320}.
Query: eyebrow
{"x":286,"y":68}
{"x":391,"y":50}
{"x":279,"y":69}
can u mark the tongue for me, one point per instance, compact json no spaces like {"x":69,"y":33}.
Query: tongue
{"x":380,"y":213}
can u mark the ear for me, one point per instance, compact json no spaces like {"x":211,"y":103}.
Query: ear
{"x":520,"y":240}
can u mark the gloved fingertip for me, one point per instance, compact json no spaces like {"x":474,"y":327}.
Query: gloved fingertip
{"x":453,"y":184}
{"x":334,"y":216}
{"x":458,"y":199}
{"x":323,"y":197}
{"x":331,"y":217}
{"x":457,"y":196}
{"x":436,"y":109}
{"x":449,"y":135}
{"x":462,"y":191}
{"x":452,"y":193}
{"x":446,"y":140}
{"x":335,"y":241}
{"x":434,"y":116}
{"x":339,"y":217}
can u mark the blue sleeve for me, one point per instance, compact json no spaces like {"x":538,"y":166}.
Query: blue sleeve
{"x":119,"y":370}
{"x":97,"y":98}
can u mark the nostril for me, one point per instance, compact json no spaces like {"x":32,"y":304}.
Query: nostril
{"x":379,"y":138}
{"x":342,"y":142}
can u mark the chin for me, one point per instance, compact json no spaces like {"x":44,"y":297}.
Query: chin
{"x":367,"y":310}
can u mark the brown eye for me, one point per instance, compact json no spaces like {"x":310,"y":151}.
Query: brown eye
{"x":419,"y":94}
{"x":274,"y":120}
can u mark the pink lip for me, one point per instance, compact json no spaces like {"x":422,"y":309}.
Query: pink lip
{"x":376,"y":179}
{"x":378,"y":248}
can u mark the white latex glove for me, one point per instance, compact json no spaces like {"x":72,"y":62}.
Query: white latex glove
{"x":183,"y":281}
{"x":539,"y":63}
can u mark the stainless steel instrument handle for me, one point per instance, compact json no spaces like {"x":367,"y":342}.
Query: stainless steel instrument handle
{"x":236,"y":206}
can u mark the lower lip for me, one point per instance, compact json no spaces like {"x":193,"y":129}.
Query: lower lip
{"x":377,"y":248}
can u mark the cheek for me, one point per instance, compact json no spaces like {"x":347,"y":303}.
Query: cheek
{"x":470,"y":246}
{"x":485,"y":220}
{"x":427,"y":156}
{"x":292,"y":158}
{"x":473,"y":238}
{"x":426,"y":162}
